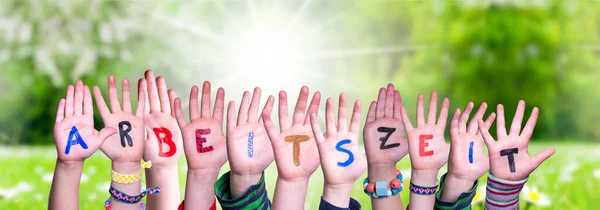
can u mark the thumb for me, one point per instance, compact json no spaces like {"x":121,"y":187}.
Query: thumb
{"x":542,"y":156}
{"x":106,"y":132}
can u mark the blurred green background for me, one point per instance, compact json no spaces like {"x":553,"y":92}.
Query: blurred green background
{"x":545,"y":52}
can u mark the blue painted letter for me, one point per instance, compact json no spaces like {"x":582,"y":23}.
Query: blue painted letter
{"x":471,"y":152}
{"x":338,"y":147}
{"x":78,"y":140}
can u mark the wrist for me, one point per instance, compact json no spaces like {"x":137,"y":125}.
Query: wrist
{"x":126,"y":167}
{"x":454,"y":186}
{"x":337,"y":194}
{"x":240,"y":183}
{"x":424,"y":177}
{"x":456,"y":180}
{"x":70,"y":163}
{"x":379,"y":172}
{"x":208,"y":174}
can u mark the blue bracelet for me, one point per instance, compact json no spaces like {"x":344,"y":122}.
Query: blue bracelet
{"x":380,"y":189}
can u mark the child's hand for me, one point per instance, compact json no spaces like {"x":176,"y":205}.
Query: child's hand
{"x":340,"y":154}
{"x":249,"y":151}
{"x":203,"y":139}
{"x":384,"y":130}
{"x":74,"y":133}
{"x":509,"y":157}
{"x":467,"y":160}
{"x":341,"y":159}
{"x":128,"y":144}
{"x":296,"y":153}
{"x":428,"y":148}
{"x":163,"y":137}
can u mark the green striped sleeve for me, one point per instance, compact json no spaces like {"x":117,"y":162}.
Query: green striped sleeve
{"x":255,"y":198}
{"x":462,"y":203}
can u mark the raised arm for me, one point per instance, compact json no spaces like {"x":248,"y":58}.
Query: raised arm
{"x":163,"y":143}
{"x":295,"y":148}
{"x":510,"y":164}
{"x":204,"y":145}
{"x":341,"y":159}
{"x":76,"y":139}
{"x":385,"y":145}
{"x":428,"y":151}
{"x":125,"y":148}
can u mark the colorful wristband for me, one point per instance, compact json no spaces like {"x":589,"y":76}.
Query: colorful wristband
{"x":423,"y":190}
{"x":129,"y":178}
{"x":380,"y":189}
{"x":107,"y":205}
{"x":121,"y":196}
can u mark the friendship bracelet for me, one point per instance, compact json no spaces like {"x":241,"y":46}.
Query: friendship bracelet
{"x":123,"y":197}
{"x":380,"y":188}
{"x":107,"y":205}
{"x":129,"y":178}
{"x":423,"y":190}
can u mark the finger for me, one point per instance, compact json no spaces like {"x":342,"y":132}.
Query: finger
{"x":113,"y":95}
{"x":151,"y":90}
{"x":389,"y":101}
{"x":397,"y":105}
{"x":541,"y":156}
{"x":420,"y":111}
{"x":462,"y":121}
{"x":432,"y":108}
{"x":139,"y":111}
{"x":371,"y":112}
{"x":299,"y":110}
{"x":490,"y":120}
{"x":313,"y":107}
{"x":179,"y":114}
{"x":105,"y":133}
{"x":143,"y":90}
{"x":163,"y":95}
{"x":205,"y":103}
{"x":172,"y":96}
{"x":125,"y":97}
{"x":266,"y":118}
{"x":356,"y":114}
{"x":102,"y":108}
{"x":284,"y":121}
{"x":530,"y":125}
{"x":489,"y":140}
{"x":500,"y":126}
{"x":444,"y":113}
{"x":517,"y":121}
{"x":472,"y":128}
{"x":243,"y":111}
{"x":69,"y":101}
{"x":218,"y":109}
{"x":60,"y":111}
{"x":193,"y":103}
{"x":380,"y":113}
{"x":407,"y":125}
{"x":342,"y":113}
{"x":78,"y":103}
{"x":230,"y":117}
{"x":254,"y":105}
{"x":454,"y":130}
{"x":329,"y":118}
{"x":314,"y":124}
{"x":88,"y":105}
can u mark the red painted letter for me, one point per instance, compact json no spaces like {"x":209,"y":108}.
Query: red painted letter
{"x":423,"y":144}
{"x":200,"y":140}
{"x":164,"y":136}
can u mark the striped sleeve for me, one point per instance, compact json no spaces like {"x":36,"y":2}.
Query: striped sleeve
{"x":353,"y":205}
{"x":254,"y":199}
{"x":502,"y":194}
{"x":462,"y":203}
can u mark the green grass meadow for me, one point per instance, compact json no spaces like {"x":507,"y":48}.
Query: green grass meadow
{"x":569,"y":179}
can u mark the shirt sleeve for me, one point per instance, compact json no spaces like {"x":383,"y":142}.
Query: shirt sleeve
{"x":353,"y":205}
{"x":502,"y":194}
{"x":254,"y":199}
{"x":462,"y":203}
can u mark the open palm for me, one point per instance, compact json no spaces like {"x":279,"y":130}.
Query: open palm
{"x":296,"y":153}
{"x":513,"y":145}
{"x":248,"y":149}
{"x":341,"y":158}
{"x":74,"y":133}
{"x":203,"y":139}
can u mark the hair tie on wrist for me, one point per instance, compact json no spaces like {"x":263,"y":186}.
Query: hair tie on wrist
{"x":423,"y":190}
{"x":123,"y":197}
{"x":107,"y":205}
{"x":380,"y":189}
{"x":146,"y":164}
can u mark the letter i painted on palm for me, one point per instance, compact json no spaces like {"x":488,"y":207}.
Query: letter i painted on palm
{"x":250,"y":144}
{"x":471,"y":152}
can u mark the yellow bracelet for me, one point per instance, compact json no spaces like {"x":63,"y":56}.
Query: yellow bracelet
{"x":129,"y":178}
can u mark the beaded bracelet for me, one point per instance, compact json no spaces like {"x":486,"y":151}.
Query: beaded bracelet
{"x":129,"y":178}
{"x":107,"y":205}
{"x":121,"y":196}
{"x":380,"y":188}
{"x":423,"y":190}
